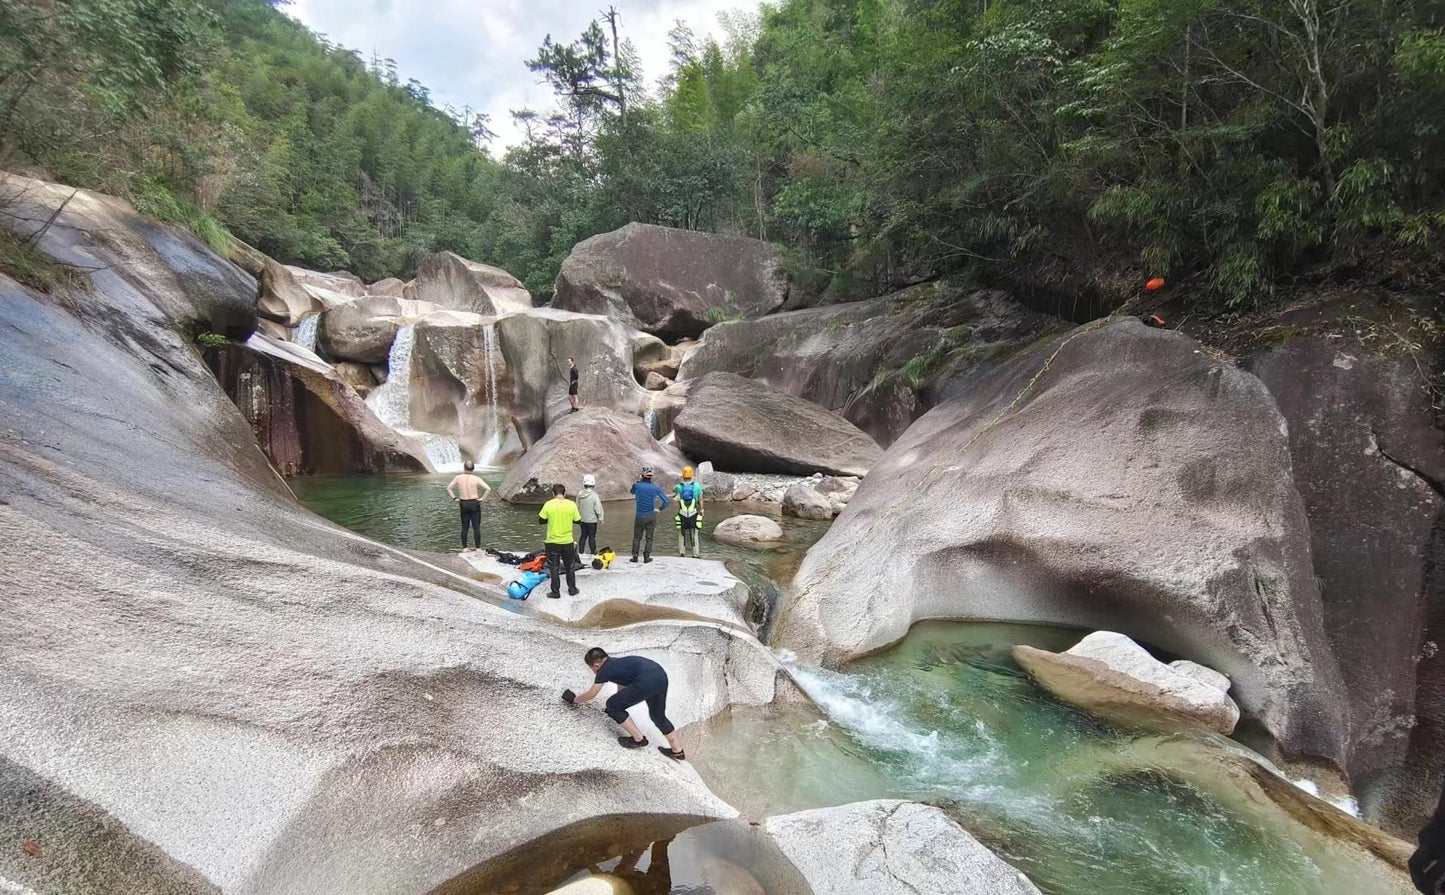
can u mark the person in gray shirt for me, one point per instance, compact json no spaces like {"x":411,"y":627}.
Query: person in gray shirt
{"x":589,"y":506}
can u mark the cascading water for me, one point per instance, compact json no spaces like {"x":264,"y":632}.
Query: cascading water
{"x":1083,"y":808}
{"x":305,"y":335}
{"x":391,"y":402}
{"x":491,"y":355}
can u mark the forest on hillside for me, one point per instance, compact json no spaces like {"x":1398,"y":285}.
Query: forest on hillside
{"x":1066,"y":149}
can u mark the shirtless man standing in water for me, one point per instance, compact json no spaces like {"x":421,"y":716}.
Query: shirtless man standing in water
{"x":468,"y":490}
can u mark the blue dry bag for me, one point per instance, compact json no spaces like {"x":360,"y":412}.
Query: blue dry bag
{"x":519,"y":589}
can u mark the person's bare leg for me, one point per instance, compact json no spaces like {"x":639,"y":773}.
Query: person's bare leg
{"x":674,"y":741}
{"x":630,"y":728}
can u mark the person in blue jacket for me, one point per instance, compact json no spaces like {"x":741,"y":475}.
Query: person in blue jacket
{"x":644,"y":526}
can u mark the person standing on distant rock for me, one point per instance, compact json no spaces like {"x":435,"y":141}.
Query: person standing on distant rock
{"x":559,"y":515}
{"x":639,"y":680}
{"x":689,"y":513}
{"x":467,"y":489}
{"x":644,"y":527}
{"x":572,"y":383}
{"x":589,"y":505}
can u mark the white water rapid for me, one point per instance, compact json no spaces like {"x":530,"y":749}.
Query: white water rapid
{"x":391,"y":402}
{"x":305,"y":335}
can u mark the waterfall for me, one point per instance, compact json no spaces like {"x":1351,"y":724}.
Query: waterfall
{"x":391,"y":402}
{"x":491,"y":355}
{"x":649,"y":416}
{"x":305,"y":334}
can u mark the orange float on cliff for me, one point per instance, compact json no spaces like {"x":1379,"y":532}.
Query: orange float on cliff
{"x":1156,"y":283}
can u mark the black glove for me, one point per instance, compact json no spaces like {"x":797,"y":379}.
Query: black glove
{"x":569,"y":697}
{"x":1427,"y":864}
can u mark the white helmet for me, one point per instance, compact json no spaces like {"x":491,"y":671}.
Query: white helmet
{"x":589,"y":480}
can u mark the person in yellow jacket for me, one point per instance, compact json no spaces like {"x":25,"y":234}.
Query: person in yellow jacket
{"x":689,"y":513}
{"x":559,"y":515}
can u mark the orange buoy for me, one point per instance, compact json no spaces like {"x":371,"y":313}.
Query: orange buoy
{"x":1156,"y":283}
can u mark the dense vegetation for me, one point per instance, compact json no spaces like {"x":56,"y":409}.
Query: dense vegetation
{"x":1068,"y":148}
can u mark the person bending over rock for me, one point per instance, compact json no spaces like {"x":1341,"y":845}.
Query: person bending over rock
{"x":559,"y":515}
{"x":467,"y":490}
{"x":639,"y":680}
{"x":645,"y":525}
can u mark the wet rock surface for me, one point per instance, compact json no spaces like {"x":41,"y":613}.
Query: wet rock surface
{"x":746,"y":426}
{"x":1135,"y":485}
{"x":671,"y":283}
{"x":452,"y":282}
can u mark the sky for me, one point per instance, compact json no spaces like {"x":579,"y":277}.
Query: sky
{"x":473,"y":52}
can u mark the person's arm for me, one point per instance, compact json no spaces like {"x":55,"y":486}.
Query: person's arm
{"x":542,"y":515}
{"x":486,"y":489}
{"x":450,"y":486}
{"x":665,"y":501}
{"x":600,"y":511}
{"x":587,"y":695}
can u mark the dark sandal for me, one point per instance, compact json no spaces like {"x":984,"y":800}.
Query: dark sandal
{"x":628,"y":742}
{"x":675,"y":756}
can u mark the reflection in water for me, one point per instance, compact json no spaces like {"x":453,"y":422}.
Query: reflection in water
{"x":1082,"y":808}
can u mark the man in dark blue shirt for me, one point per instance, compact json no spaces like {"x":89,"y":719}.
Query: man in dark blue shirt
{"x":647,"y":494}
{"x":639,"y":680}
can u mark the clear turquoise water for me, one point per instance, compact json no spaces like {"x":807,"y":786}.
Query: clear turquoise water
{"x":1083,"y":808}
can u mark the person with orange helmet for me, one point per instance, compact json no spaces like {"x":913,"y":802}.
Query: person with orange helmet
{"x":689,"y":513}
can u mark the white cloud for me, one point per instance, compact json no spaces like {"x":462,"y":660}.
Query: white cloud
{"x":472,"y":53}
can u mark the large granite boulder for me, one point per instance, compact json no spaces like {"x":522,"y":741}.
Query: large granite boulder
{"x":879,"y":363}
{"x":672,"y":283}
{"x":1111,"y":676}
{"x":462,"y":386}
{"x":536,"y":344}
{"x":1369,"y":460}
{"x":610,"y":444}
{"x":360,"y":330}
{"x":306,"y":417}
{"x":1118,"y":478}
{"x":890,"y":847}
{"x":283,"y":298}
{"x":452,"y":282}
{"x":805,"y":501}
{"x":746,"y":426}
{"x":210,"y":688}
{"x":341,"y":282}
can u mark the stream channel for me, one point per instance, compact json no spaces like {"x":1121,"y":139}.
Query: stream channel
{"x":945,"y":717}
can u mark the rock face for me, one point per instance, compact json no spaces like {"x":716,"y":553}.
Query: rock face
{"x":889,"y":847}
{"x":452,"y":282}
{"x":611,"y":445}
{"x":672,"y":283}
{"x":855,"y":358}
{"x":305,"y":416}
{"x":748,"y":531}
{"x":341,"y":282}
{"x":1111,"y":676}
{"x":536,"y":345}
{"x":462,"y":386}
{"x":360,"y":330}
{"x":746,"y":426}
{"x":1135,"y":485}
{"x":259,"y":701}
{"x":1369,"y":462}
{"x":282,"y":297}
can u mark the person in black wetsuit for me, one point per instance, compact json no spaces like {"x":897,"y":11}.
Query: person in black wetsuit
{"x":572,"y":383}
{"x":1427,"y":864}
{"x":639,"y":680}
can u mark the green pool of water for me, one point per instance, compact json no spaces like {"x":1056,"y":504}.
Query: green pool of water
{"x":1081,"y":807}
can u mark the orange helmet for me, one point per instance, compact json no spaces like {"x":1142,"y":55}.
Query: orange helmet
{"x":687,"y":472}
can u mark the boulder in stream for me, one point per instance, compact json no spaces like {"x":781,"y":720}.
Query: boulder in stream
{"x":461,"y":386}
{"x":748,"y":531}
{"x":804,"y":501}
{"x":746,"y":426}
{"x":1109,"y":675}
{"x":668,"y":282}
{"x":890,"y":847}
{"x":1118,"y":478}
